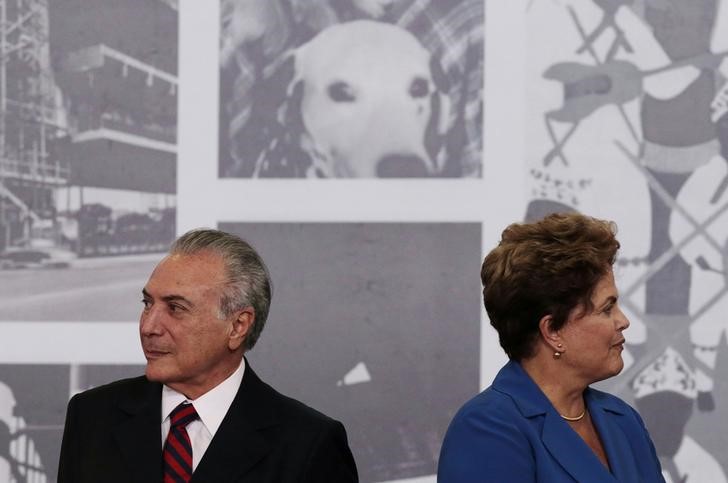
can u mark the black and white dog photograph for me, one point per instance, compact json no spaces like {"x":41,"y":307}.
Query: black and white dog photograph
{"x":351,"y":88}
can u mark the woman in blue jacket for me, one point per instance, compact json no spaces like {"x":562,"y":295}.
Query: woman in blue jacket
{"x":549,"y":292}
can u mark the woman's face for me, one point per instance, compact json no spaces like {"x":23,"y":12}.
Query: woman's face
{"x":593,"y":341}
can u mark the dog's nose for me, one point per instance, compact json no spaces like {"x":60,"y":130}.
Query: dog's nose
{"x":402,"y":166}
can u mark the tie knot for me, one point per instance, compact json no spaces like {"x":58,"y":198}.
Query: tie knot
{"x":182,"y":415}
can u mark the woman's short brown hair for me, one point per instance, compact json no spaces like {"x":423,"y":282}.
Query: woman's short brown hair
{"x":548,"y":267}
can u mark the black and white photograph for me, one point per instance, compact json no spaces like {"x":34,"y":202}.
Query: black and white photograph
{"x":377,"y":325}
{"x":88,"y":114}
{"x":88,"y":118}
{"x":351,"y":88}
{"x":126,"y":123}
{"x":33,"y":402}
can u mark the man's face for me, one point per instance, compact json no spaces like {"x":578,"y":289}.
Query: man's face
{"x":186,"y":345}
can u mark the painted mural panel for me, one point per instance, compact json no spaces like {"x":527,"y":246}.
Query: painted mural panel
{"x":626,"y":121}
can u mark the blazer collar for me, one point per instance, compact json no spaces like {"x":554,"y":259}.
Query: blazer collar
{"x":241,"y":440}
{"x":138,"y":434}
{"x":614,"y":428}
{"x":562,"y":442}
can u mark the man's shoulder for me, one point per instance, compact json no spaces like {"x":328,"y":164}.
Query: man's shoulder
{"x":295,"y":411}
{"x":113,"y":390}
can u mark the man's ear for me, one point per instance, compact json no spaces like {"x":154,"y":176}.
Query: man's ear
{"x":241,"y":327}
{"x":550,"y":336}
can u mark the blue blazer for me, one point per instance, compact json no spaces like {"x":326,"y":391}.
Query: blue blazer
{"x":511,"y":433}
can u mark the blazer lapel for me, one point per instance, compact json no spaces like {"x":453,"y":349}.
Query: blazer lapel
{"x":240,"y":441}
{"x":139,"y":434}
{"x":572,"y":453}
{"x":563,"y":443}
{"x":608,"y":419}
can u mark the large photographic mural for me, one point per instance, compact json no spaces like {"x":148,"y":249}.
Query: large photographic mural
{"x":124,"y":123}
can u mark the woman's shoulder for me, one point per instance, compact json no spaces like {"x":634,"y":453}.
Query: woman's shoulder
{"x":488,"y":439}
{"x":489,"y":407}
{"x":490,"y":398}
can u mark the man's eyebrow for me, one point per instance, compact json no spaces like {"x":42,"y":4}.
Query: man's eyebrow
{"x":177,"y":298}
{"x":169,"y":298}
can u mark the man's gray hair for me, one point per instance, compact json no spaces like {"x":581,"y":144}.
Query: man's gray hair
{"x":248,"y":281}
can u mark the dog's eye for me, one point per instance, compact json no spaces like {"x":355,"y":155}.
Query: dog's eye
{"x":341,"y":92}
{"x":420,"y":87}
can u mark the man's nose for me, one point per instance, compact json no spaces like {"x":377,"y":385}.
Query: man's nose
{"x":150,"y":322}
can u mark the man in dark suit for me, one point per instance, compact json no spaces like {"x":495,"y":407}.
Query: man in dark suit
{"x":200,"y":413}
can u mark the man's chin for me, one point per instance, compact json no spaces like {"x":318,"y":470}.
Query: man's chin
{"x":155,"y":373}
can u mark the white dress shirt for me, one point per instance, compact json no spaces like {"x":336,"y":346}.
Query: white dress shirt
{"x":211,"y":407}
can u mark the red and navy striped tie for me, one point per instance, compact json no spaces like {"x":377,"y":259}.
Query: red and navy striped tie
{"x":177,"y":453}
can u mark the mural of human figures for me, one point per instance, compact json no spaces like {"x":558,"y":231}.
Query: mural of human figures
{"x":351,"y":89}
{"x":627,"y":122}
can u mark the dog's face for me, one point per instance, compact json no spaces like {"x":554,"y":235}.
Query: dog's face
{"x":368,"y":102}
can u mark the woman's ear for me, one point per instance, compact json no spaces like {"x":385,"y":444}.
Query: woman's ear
{"x":549,"y":335}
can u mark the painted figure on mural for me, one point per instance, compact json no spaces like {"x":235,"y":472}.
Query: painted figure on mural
{"x":635,"y":133}
{"x":356,"y":88}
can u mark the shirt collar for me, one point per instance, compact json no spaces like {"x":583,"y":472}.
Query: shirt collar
{"x":211,"y":406}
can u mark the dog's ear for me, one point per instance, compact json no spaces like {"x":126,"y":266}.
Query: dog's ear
{"x":440,"y":115}
{"x":290,"y":110}
{"x":440,"y":97}
{"x":285,"y":158}
{"x":439,"y":77}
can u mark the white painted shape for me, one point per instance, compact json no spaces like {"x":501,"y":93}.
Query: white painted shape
{"x":357,"y":375}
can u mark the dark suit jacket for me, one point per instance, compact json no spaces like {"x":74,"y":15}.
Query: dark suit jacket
{"x":113,"y":434}
{"x":511,"y":432}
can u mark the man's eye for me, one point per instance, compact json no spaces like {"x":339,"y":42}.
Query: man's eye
{"x":146,"y":303}
{"x":176,"y":309}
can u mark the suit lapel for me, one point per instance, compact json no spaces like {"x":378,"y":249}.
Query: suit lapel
{"x":608,"y":419}
{"x":563,"y":443}
{"x":572,"y":453}
{"x":241,"y":441}
{"x":139,"y":432}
